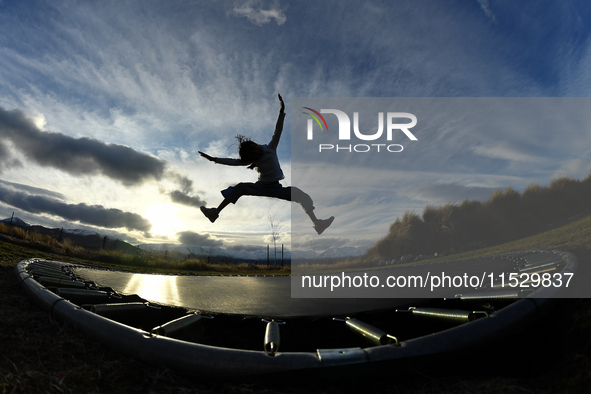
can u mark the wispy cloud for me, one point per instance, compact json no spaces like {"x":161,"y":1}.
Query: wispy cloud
{"x":484,"y":4}
{"x":505,"y":152}
{"x":256,"y":12}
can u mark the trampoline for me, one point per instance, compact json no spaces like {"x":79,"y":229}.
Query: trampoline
{"x":221,"y":326}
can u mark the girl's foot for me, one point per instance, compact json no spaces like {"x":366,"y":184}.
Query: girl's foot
{"x":210,"y":213}
{"x":322,"y":224}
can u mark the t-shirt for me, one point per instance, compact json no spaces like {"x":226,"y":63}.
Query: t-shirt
{"x":268,"y":165}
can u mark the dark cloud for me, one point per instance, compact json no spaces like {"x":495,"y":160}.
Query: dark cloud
{"x":6,"y":160}
{"x":94,"y":215}
{"x":87,"y":156}
{"x":33,"y":190}
{"x":78,"y":156}
{"x":185,"y":193}
{"x":181,"y":198}
{"x":196,"y":239}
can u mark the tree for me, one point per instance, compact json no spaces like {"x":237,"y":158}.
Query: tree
{"x":276,"y":226}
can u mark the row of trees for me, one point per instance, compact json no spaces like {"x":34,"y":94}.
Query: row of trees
{"x":505,"y":216}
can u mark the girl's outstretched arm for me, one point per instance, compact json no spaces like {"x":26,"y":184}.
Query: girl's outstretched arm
{"x":208,"y":157}
{"x":279,"y":125}
{"x":282,"y":103}
{"x":228,"y":162}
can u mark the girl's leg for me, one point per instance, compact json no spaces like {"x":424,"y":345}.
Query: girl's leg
{"x":270,"y":190}
{"x":213,"y":213}
{"x":232,"y":195}
{"x":299,"y":196}
{"x":223,"y":204}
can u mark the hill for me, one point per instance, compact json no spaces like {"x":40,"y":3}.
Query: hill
{"x":506,"y":216}
{"x":82,"y":238}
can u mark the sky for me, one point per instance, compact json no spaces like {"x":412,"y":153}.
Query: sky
{"x":105,"y":104}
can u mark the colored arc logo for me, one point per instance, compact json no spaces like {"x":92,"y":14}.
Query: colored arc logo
{"x":315,"y":118}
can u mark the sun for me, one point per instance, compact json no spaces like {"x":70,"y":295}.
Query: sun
{"x":164,"y":220}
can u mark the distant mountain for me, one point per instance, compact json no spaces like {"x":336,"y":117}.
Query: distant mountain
{"x":332,"y":253}
{"x":15,"y":222}
{"x":255,"y":254}
{"x":252,"y":255}
{"x":94,"y":241}
{"x":342,"y":252}
{"x":83,"y":238}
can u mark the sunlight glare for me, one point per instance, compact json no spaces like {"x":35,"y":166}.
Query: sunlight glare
{"x":164,"y":220}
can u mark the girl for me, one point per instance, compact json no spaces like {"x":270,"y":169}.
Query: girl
{"x":264,"y":159}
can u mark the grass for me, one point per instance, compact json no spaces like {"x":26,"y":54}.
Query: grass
{"x":19,"y":242}
{"x":574,"y":237}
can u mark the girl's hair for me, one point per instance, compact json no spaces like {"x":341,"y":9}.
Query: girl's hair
{"x":247,"y":148}
{"x":242,"y":139}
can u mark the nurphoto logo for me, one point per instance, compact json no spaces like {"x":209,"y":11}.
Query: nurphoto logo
{"x":392,"y":125}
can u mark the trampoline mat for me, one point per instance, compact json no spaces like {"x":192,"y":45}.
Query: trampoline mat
{"x":264,"y":296}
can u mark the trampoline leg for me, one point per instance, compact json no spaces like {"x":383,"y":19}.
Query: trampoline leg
{"x":272,"y":337}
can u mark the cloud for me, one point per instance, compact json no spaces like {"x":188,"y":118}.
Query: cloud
{"x":184,"y":195}
{"x":78,"y":156}
{"x":33,"y":190}
{"x":87,"y":156}
{"x":253,"y":11}
{"x":505,"y":152}
{"x":182,"y":198}
{"x":196,"y":239}
{"x":95,"y":215}
{"x":486,"y":8}
{"x":449,"y":192}
{"x":6,"y":160}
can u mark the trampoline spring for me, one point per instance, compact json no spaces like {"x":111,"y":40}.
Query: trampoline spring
{"x":371,"y":333}
{"x":39,"y":272}
{"x":481,"y":296}
{"x":548,"y":267}
{"x":272,"y":337}
{"x":47,"y":281}
{"x":46,"y":264}
{"x":83,"y":296}
{"x":540,"y":259}
{"x":191,"y":321}
{"x":454,"y":315}
{"x":42,"y":271}
{"x":530,"y":282}
{"x":112,"y":294}
{"x":126,"y":309}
